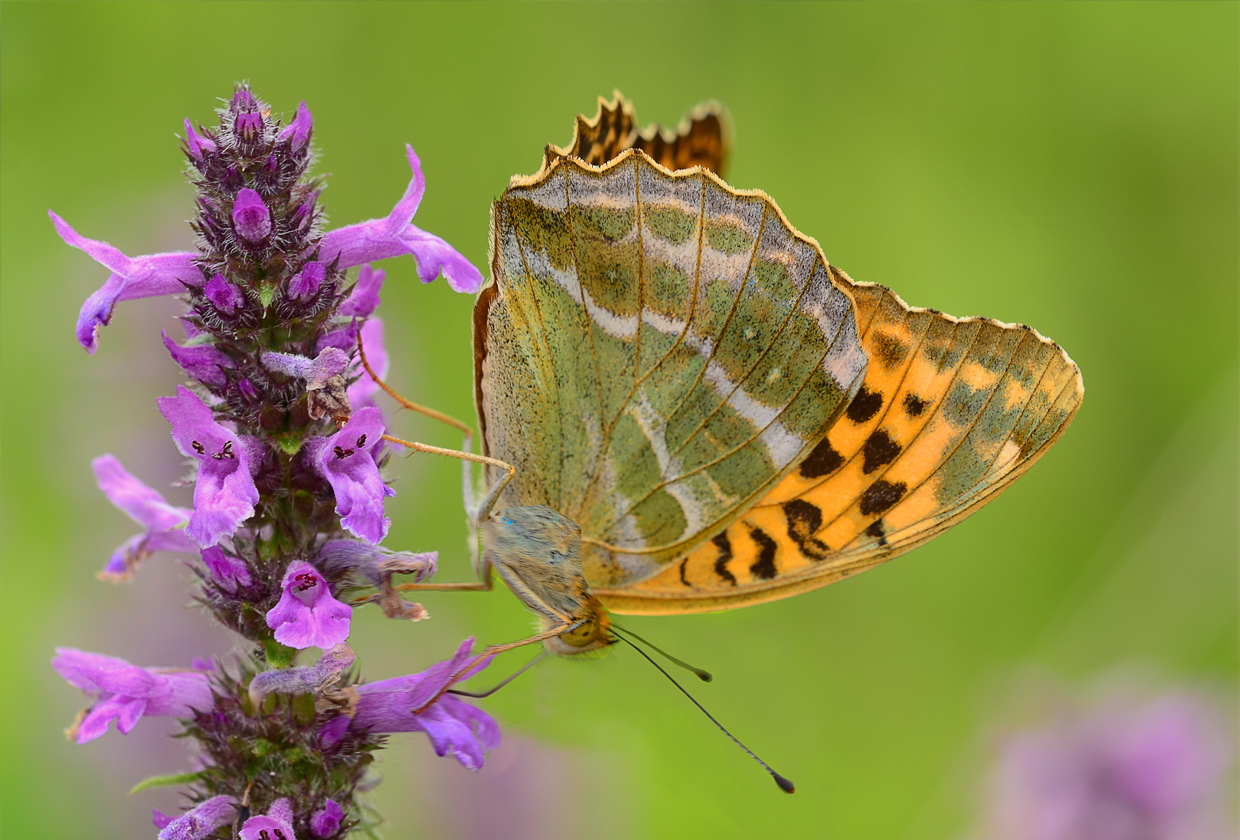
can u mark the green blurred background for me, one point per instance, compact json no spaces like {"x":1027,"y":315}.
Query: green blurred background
{"x":1071,"y":166}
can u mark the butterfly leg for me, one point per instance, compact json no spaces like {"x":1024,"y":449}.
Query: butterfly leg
{"x":475,"y":510}
{"x":469,"y":492}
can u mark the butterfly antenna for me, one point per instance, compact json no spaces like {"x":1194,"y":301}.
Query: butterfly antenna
{"x":491,"y":691}
{"x":785,"y":785}
{"x":704,"y":676}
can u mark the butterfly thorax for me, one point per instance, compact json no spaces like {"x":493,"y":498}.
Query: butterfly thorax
{"x":537,"y":551}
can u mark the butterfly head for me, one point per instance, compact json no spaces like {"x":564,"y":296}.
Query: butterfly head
{"x":537,"y":551}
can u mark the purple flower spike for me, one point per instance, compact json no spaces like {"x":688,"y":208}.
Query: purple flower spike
{"x":452,"y":724}
{"x":307,"y":281}
{"x":308,"y":615}
{"x":162,"y":521}
{"x":201,"y":822}
{"x":224,"y":494}
{"x":203,"y":362}
{"x":223,"y":295}
{"x":228,"y":572}
{"x":139,"y":277}
{"x":196,"y":143}
{"x":251,"y":218}
{"x":326,"y":822}
{"x":347,"y":462}
{"x":391,"y":237}
{"x":127,"y":692}
{"x":276,"y":824}
{"x":297,"y":133}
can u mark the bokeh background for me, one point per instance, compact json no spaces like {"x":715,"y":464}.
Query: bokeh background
{"x":1071,"y":166}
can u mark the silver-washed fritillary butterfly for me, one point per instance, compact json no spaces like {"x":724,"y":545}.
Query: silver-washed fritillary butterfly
{"x":685,"y":408}
{"x":728,"y":418}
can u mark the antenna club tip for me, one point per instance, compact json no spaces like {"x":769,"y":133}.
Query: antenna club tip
{"x":785,"y":785}
{"x":705,"y":676}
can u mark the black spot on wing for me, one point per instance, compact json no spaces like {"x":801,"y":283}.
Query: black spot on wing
{"x":914,"y":405}
{"x":804,"y":520}
{"x":881,"y":496}
{"x":879,"y":449}
{"x":876,"y":531}
{"x":764,"y":566}
{"x":725,"y":554}
{"x":889,"y":350}
{"x":683,"y":579}
{"x":865,"y":405}
{"x":824,"y":460}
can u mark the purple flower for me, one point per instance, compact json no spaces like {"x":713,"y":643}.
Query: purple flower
{"x":330,"y":362}
{"x":276,"y":824}
{"x":224,"y":494}
{"x":127,"y":692}
{"x":323,"y":674}
{"x":1126,"y":769}
{"x":326,"y":822}
{"x":363,"y":298}
{"x":203,"y":361}
{"x":361,"y":392}
{"x":297,"y":133}
{"x":228,"y":572}
{"x":147,"y":276}
{"x":307,"y":614}
{"x":347,"y":462}
{"x":162,"y":521}
{"x":251,"y":218}
{"x":377,"y":565}
{"x":391,"y":237}
{"x":452,"y":724}
{"x":202,"y":821}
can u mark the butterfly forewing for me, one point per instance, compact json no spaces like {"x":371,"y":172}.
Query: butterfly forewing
{"x":676,"y":347}
{"x":950,"y":413}
{"x":701,"y":139}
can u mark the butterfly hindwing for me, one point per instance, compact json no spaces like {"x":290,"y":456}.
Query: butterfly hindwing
{"x":950,"y":413}
{"x":656,"y":352}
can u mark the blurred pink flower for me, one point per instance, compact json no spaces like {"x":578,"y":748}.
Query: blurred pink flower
{"x":1126,"y":767}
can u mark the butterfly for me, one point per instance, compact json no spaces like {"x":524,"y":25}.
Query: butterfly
{"x":673,"y":368}
{"x":686,"y":408}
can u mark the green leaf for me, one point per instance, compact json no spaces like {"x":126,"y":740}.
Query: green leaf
{"x":169,"y":780}
{"x":290,"y":444}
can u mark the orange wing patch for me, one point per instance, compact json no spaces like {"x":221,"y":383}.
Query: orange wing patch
{"x":703,"y":137}
{"x":949,"y":414}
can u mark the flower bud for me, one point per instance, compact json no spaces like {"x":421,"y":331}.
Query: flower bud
{"x":297,"y":133}
{"x":307,"y":281}
{"x":223,"y":295}
{"x":195,"y":143}
{"x":251,"y":218}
